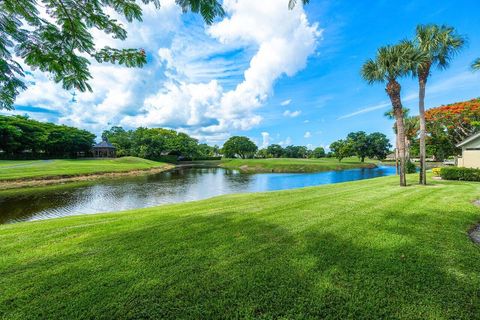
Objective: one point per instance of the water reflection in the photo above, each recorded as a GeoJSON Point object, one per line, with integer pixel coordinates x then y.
{"type": "Point", "coordinates": [179, 185]}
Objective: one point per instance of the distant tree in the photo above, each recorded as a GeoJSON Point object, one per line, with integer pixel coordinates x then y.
{"type": "Point", "coordinates": [242, 147]}
{"type": "Point", "coordinates": [359, 144]}
{"type": "Point", "coordinates": [390, 64]}
{"type": "Point", "coordinates": [379, 145]}
{"type": "Point", "coordinates": [275, 150]}
{"type": "Point", "coordinates": [205, 151]}
{"type": "Point", "coordinates": [341, 149]}
{"type": "Point", "coordinates": [121, 139]}
{"type": "Point", "coordinates": [318, 152]}
{"type": "Point", "coordinates": [21, 137]}
{"type": "Point", "coordinates": [439, 44]}
{"type": "Point", "coordinates": [295, 152]}
{"type": "Point", "coordinates": [263, 153]}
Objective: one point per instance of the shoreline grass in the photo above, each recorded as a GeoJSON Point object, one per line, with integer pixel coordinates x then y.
{"type": "Point", "coordinates": [62, 168]}
{"type": "Point", "coordinates": [364, 249]}
{"type": "Point", "coordinates": [289, 165]}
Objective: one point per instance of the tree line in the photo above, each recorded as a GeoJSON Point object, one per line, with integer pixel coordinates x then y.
{"type": "Point", "coordinates": [375, 145]}
{"type": "Point", "coordinates": [158, 144]}
{"type": "Point", "coordinates": [243, 147]}
{"type": "Point", "coordinates": [24, 138]}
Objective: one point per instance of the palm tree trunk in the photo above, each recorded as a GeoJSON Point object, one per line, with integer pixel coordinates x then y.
{"type": "Point", "coordinates": [422, 81]}
{"type": "Point", "coordinates": [393, 90]}
{"type": "Point", "coordinates": [396, 154]}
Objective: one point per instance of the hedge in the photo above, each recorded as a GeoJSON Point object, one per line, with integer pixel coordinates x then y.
{"type": "Point", "coordinates": [456, 173]}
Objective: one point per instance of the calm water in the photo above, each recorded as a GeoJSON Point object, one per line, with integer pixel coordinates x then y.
{"type": "Point", "coordinates": [178, 185]}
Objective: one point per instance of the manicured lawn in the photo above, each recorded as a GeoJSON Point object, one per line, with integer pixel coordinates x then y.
{"type": "Point", "coordinates": [294, 165]}
{"type": "Point", "coordinates": [362, 250]}
{"type": "Point", "coordinates": [56, 168]}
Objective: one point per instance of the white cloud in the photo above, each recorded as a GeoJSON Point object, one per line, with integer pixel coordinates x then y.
{"type": "Point", "coordinates": [265, 139]}
{"type": "Point", "coordinates": [286, 102]}
{"type": "Point", "coordinates": [286, 142]}
{"type": "Point", "coordinates": [307, 134]}
{"type": "Point", "coordinates": [365, 110]}
{"type": "Point", "coordinates": [292, 114]}
{"type": "Point", "coordinates": [206, 82]}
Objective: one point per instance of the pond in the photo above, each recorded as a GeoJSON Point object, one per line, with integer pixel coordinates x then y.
{"type": "Point", "coordinates": [178, 185]}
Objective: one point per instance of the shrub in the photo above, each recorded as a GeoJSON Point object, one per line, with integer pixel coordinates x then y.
{"type": "Point", "coordinates": [436, 172]}
{"type": "Point", "coordinates": [411, 167]}
{"type": "Point", "coordinates": [456, 173]}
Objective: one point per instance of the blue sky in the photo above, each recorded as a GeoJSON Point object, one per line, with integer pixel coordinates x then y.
{"type": "Point", "coordinates": [273, 75]}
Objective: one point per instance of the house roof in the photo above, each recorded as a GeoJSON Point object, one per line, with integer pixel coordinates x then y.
{"type": "Point", "coordinates": [104, 144]}
{"type": "Point", "coordinates": [469, 139]}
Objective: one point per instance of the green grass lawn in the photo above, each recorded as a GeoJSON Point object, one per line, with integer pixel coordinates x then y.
{"type": "Point", "coordinates": [295, 165]}
{"type": "Point", "coordinates": [11, 170]}
{"type": "Point", "coordinates": [364, 250]}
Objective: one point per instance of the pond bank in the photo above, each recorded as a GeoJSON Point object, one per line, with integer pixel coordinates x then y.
{"type": "Point", "coordinates": [52, 180]}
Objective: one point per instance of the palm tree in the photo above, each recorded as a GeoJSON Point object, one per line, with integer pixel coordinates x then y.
{"type": "Point", "coordinates": [411, 131]}
{"type": "Point", "coordinates": [440, 44]}
{"type": "Point", "coordinates": [390, 64]}
{"type": "Point", "coordinates": [476, 64]}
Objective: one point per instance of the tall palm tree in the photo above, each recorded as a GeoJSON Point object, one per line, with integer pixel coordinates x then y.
{"type": "Point", "coordinates": [476, 64]}
{"type": "Point", "coordinates": [440, 44]}
{"type": "Point", "coordinates": [390, 64]}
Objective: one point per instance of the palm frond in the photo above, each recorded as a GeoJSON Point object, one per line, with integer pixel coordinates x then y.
{"type": "Point", "coordinates": [440, 43]}
{"type": "Point", "coordinates": [293, 3]}
{"type": "Point", "coordinates": [209, 9]}
{"type": "Point", "coordinates": [476, 64]}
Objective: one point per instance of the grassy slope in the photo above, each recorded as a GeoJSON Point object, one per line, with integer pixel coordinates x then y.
{"type": "Point", "coordinates": [53, 168]}
{"type": "Point", "coordinates": [293, 165]}
{"type": "Point", "coordinates": [365, 249]}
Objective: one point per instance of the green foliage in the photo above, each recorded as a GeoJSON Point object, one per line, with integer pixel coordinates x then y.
{"type": "Point", "coordinates": [391, 63]}
{"type": "Point", "coordinates": [374, 145]}
{"type": "Point", "coordinates": [439, 43]}
{"type": "Point", "coordinates": [458, 173]}
{"type": "Point", "coordinates": [318, 152]}
{"type": "Point", "coordinates": [341, 149]}
{"type": "Point", "coordinates": [157, 143]}
{"type": "Point", "coordinates": [21, 137]}
{"type": "Point", "coordinates": [379, 145]}
{"type": "Point", "coordinates": [242, 147]}
{"type": "Point", "coordinates": [410, 167]}
{"type": "Point", "coordinates": [275, 150]}
{"type": "Point", "coordinates": [62, 43]}
{"type": "Point", "coordinates": [295, 152]}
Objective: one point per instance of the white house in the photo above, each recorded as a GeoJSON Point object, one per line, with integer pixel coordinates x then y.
{"type": "Point", "coordinates": [470, 152]}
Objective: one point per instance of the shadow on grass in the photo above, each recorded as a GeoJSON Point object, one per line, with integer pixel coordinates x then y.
{"type": "Point", "coordinates": [226, 266]}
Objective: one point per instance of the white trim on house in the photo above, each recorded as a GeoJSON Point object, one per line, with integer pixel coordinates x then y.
{"type": "Point", "coordinates": [469, 139]}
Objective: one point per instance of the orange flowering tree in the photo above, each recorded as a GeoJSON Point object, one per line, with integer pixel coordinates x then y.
{"type": "Point", "coordinates": [457, 120]}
